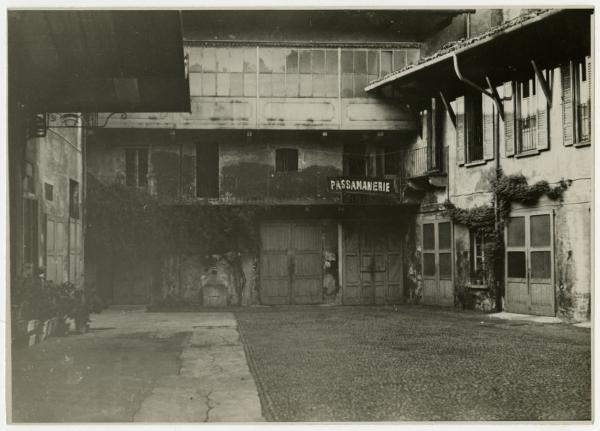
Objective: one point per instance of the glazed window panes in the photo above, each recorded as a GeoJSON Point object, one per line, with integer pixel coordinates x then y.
{"type": "Point", "coordinates": [228, 72]}
{"type": "Point", "coordinates": [541, 264]}
{"type": "Point", "coordinates": [445, 235]}
{"type": "Point", "coordinates": [539, 226]}
{"type": "Point", "coordinates": [516, 232]}
{"type": "Point", "coordinates": [386, 62]}
{"type": "Point", "coordinates": [429, 264]}
{"type": "Point", "coordinates": [515, 264]}
{"type": "Point", "coordinates": [428, 236]}
{"type": "Point", "coordinates": [445, 265]}
{"type": "Point", "coordinates": [298, 73]}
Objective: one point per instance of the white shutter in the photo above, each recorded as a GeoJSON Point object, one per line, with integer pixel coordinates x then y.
{"type": "Point", "coordinates": [542, 122]}
{"type": "Point", "coordinates": [568, 112]}
{"type": "Point", "coordinates": [509, 120]}
{"type": "Point", "coordinates": [488, 114]}
{"type": "Point", "coordinates": [460, 131]}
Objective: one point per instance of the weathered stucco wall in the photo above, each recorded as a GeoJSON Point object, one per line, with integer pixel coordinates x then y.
{"type": "Point", "coordinates": [248, 169]}
{"type": "Point", "coordinates": [57, 161]}
{"type": "Point", "coordinates": [471, 186]}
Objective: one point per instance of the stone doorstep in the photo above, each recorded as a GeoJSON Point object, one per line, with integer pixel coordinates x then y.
{"type": "Point", "coordinates": [524, 317]}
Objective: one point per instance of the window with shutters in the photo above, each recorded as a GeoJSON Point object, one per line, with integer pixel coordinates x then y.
{"type": "Point", "coordinates": [527, 110]}
{"type": "Point", "coordinates": [136, 167]}
{"type": "Point", "coordinates": [473, 127]}
{"type": "Point", "coordinates": [582, 103]}
{"type": "Point", "coordinates": [526, 117]}
{"type": "Point", "coordinates": [476, 123]}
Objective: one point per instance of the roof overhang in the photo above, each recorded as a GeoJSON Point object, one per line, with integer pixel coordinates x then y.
{"type": "Point", "coordinates": [97, 60]}
{"type": "Point", "coordinates": [549, 39]}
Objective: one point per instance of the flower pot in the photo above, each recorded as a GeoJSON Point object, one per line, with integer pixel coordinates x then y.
{"type": "Point", "coordinates": [32, 339]}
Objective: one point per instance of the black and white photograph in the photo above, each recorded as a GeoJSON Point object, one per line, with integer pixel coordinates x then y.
{"type": "Point", "coordinates": [307, 215]}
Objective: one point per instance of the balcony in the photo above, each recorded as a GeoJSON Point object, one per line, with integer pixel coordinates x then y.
{"type": "Point", "coordinates": [424, 168]}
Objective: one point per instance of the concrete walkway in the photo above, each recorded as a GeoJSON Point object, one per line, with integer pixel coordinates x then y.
{"type": "Point", "coordinates": [135, 366]}
{"type": "Point", "coordinates": [214, 383]}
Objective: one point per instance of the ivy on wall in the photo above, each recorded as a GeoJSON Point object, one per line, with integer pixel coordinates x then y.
{"type": "Point", "coordinates": [127, 224]}
{"type": "Point", "coordinates": [483, 219]}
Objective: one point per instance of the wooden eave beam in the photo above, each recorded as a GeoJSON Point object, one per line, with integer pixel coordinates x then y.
{"type": "Point", "coordinates": [449, 109]}
{"type": "Point", "coordinates": [496, 98]}
{"type": "Point", "coordinates": [543, 83]}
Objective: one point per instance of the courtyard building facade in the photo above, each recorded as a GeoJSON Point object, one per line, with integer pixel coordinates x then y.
{"type": "Point", "coordinates": [356, 147]}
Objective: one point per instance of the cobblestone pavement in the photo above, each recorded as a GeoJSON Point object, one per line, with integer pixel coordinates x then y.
{"type": "Point", "coordinates": [414, 363]}
{"type": "Point", "coordinates": [137, 366]}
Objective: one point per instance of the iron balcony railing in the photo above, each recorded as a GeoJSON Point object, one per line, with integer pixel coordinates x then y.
{"type": "Point", "coordinates": [528, 127]}
{"type": "Point", "coordinates": [423, 161]}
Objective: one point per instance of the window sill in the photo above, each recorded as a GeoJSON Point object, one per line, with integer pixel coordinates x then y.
{"type": "Point", "coordinates": [527, 154]}
{"type": "Point", "coordinates": [475, 163]}
{"type": "Point", "coordinates": [585, 143]}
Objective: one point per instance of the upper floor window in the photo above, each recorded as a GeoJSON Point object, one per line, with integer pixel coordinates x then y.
{"type": "Point", "coordinates": [286, 160]}
{"type": "Point", "coordinates": [473, 127]}
{"type": "Point", "coordinates": [583, 84]}
{"type": "Point", "coordinates": [290, 72]}
{"type": "Point", "coordinates": [136, 167]}
{"type": "Point", "coordinates": [476, 121]}
{"type": "Point", "coordinates": [222, 71]}
{"type": "Point", "coordinates": [526, 116]}
{"type": "Point", "coordinates": [298, 72]}
{"type": "Point", "coordinates": [576, 92]}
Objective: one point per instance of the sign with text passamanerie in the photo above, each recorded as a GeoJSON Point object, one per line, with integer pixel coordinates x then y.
{"type": "Point", "coordinates": [360, 185]}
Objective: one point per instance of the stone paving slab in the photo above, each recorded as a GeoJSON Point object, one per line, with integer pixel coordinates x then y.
{"type": "Point", "coordinates": [214, 383]}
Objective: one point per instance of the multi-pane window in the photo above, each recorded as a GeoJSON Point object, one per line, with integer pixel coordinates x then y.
{"type": "Point", "coordinates": [287, 72]}
{"type": "Point", "coordinates": [290, 72]}
{"type": "Point", "coordinates": [526, 115]}
{"type": "Point", "coordinates": [583, 122]}
{"type": "Point", "coordinates": [136, 167]}
{"type": "Point", "coordinates": [286, 160]}
{"type": "Point", "coordinates": [222, 71]}
{"type": "Point", "coordinates": [478, 262]}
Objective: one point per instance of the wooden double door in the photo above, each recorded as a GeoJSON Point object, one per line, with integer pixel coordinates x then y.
{"type": "Point", "coordinates": [529, 264]}
{"type": "Point", "coordinates": [373, 269]}
{"type": "Point", "coordinates": [291, 263]}
{"type": "Point", "coordinates": [437, 263]}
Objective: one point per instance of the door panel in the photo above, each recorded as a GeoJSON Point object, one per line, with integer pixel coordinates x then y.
{"type": "Point", "coordinates": [374, 254]}
{"type": "Point", "coordinates": [291, 264]}
{"type": "Point", "coordinates": [530, 265]}
{"type": "Point", "coordinates": [437, 264]}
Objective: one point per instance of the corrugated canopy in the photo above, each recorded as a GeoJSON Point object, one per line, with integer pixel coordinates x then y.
{"type": "Point", "coordinates": [502, 54]}
{"type": "Point", "coordinates": [97, 60]}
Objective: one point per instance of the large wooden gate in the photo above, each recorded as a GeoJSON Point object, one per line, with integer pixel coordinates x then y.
{"type": "Point", "coordinates": [291, 267]}
{"type": "Point", "coordinates": [437, 263]}
{"type": "Point", "coordinates": [373, 272]}
{"type": "Point", "coordinates": [529, 264]}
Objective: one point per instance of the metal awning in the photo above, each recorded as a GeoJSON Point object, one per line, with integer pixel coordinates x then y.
{"type": "Point", "coordinates": [97, 60]}
{"type": "Point", "coordinates": [502, 54]}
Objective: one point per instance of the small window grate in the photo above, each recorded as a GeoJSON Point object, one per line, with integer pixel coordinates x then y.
{"type": "Point", "coordinates": [286, 160]}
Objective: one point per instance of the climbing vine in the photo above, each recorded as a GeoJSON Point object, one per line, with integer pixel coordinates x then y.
{"type": "Point", "coordinates": [490, 223]}
{"type": "Point", "coordinates": [127, 224]}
